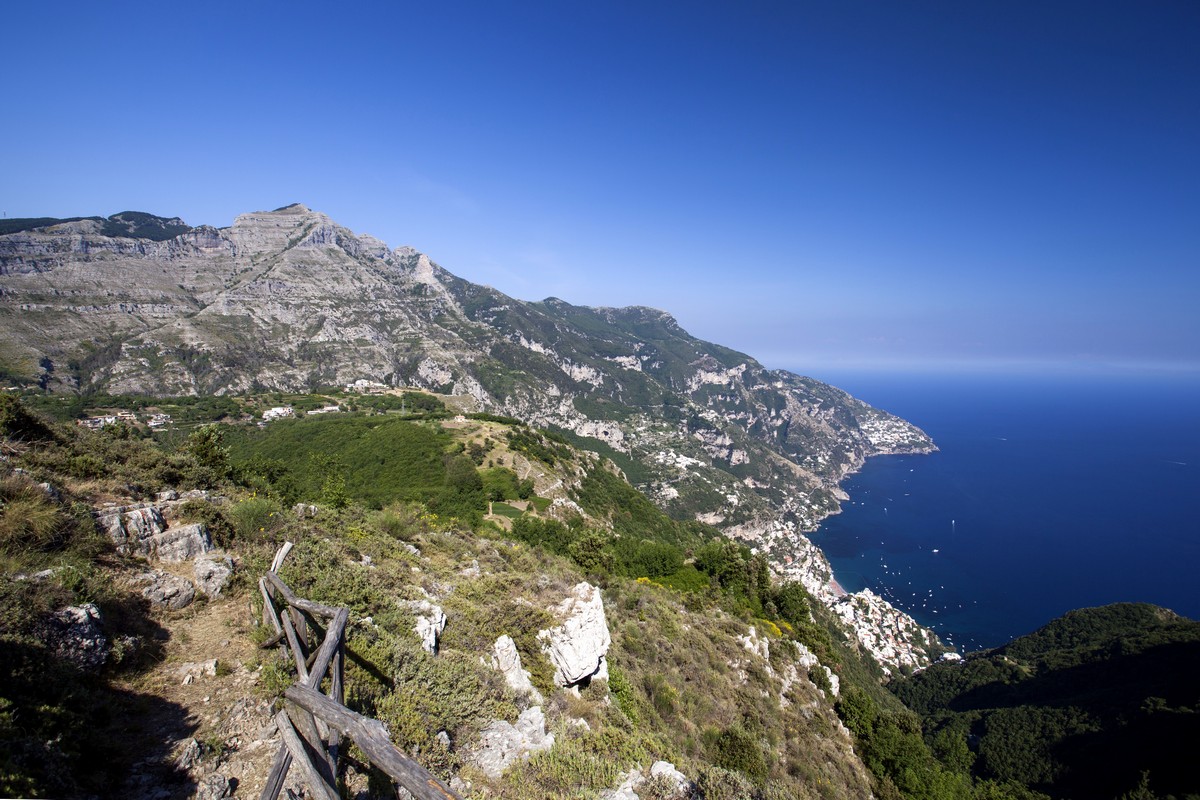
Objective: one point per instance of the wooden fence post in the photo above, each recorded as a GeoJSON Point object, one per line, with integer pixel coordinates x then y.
{"type": "Point", "coordinates": [308, 712]}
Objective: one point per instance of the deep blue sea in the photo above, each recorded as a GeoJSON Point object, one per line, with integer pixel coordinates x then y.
{"type": "Point", "coordinates": [1048, 493]}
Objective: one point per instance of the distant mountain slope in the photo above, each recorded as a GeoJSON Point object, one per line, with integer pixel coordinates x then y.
{"type": "Point", "coordinates": [1080, 708]}
{"type": "Point", "coordinates": [290, 300]}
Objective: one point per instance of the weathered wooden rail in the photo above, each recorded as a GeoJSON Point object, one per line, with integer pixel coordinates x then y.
{"type": "Point", "coordinates": [312, 722]}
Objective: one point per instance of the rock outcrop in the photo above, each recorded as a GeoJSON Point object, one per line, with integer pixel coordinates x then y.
{"type": "Point", "coordinates": [430, 622]}
{"type": "Point", "coordinates": [131, 528]}
{"type": "Point", "coordinates": [579, 644]}
{"type": "Point", "coordinates": [501, 743]}
{"type": "Point", "coordinates": [164, 590]}
{"type": "Point", "coordinates": [507, 661]}
{"type": "Point", "coordinates": [143, 531]}
{"type": "Point", "coordinates": [213, 573]}
{"type": "Point", "coordinates": [181, 543]}
{"type": "Point", "coordinates": [75, 635]}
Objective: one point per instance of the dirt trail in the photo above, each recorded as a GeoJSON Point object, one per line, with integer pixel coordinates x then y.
{"type": "Point", "coordinates": [206, 728]}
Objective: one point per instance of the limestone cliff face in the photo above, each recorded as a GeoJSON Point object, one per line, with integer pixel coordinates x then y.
{"type": "Point", "coordinates": [290, 300]}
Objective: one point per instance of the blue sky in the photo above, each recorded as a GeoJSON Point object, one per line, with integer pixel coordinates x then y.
{"type": "Point", "coordinates": [822, 185]}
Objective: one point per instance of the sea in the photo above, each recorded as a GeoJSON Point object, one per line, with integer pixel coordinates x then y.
{"type": "Point", "coordinates": [1048, 493]}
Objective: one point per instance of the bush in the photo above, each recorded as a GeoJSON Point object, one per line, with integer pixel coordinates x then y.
{"type": "Point", "coordinates": [399, 521]}
{"type": "Point", "coordinates": [256, 519]}
{"type": "Point", "coordinates": [204, 512]}
{"type": "Point", "coordinates": [716, 783]}
{"type": "Point", "coordinates": [453, 692]}
{"type": "Point", "coordinates": [735, 749]}
{"type": "Point", "coordinates": [29, 519]}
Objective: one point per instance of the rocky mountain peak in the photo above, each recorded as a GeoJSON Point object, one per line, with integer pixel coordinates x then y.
{"type": "Point", "coordinates": [288, 300]}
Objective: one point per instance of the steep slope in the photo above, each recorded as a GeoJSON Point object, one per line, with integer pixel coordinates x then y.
{"type": "Point", "coordinates": [290, 300]}
{"type": "Point", "coordinates": [157, 689]}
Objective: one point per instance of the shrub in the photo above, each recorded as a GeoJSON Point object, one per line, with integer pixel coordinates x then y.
{"type": "Point", "coordinates": [716, 783]}
{"type": "Point", "coordinates": [453, 692]}
{"type": "Point", "coordinates": [255, 519]}
{"type": "Point", "coordinates": [211, 517]}
{"type": "Point", "coordinates": [735, 749]}
{"type": "Point", "coordinates": [403, 522]}
{"type": "Point", "coordinates": [29, 519]}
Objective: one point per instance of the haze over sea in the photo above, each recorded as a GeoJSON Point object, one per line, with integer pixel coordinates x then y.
{"type": "Point", "coordinates": [1049, 493]}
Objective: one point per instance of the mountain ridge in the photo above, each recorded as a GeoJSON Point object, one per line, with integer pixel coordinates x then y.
{"type": "Point", "coordinates": [290, 300]}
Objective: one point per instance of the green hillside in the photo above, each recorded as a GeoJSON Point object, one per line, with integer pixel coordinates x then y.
{"type": "Point", "coordinates": [1082, 708]}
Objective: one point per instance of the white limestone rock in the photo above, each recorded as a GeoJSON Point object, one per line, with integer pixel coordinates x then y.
{"type": "Point", "coordinates": [507, 660]}
{"type": "Point", "coordinates": [189, 672]}
{"type": "Point", "coordinates": [501, 743]}
{"type": "Point", "coordinates": [165, 590]}
{"type": "Point", "coordinates": [143, 531]}
{"type": "Point", "coordinates": [213, 573]}
{"type": "Point", "coordinates": [627, 789]}
{"type": "Point", "coordinates": [667, 771]}
{"type": "Point", "coordinates": [131, 528]}
{"type": "Point", "coordinates": [180, 543]}
{"type": "Point", "coordinates": [431, 621]}
{"type": "Point", "coordinates": [579, 645]}
{"type": "Point", "coordinates": [834, 681]}
{"type": "Point", "coordinates": [759, 645]}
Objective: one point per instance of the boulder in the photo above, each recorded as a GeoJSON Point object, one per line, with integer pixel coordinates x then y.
{"type": "Point", "coordinates": [74, 635]}
{"type": "Point", "coordinates": [665, 771]}
{"type": "Point", "coordinates": [501, 743]}
{"type": "Point", "coordinates": [181, 543]}
{"type": "Point", "coordinates": [165, 590]}
{"type": "Point", "coordinates": [578, 646]}
{"type": "Point", "coordinates": [131, 528]}
{"type": "Point", "coordinates": [431, 621]}
{"type": "Point", "coordinates": [142, 531]}
{"type": "Point", "coordinates": [507, 660]}
{"type": "Point", "coordinates": [627, 790]}
{"type": "Point", "coordinates": [213, 573]}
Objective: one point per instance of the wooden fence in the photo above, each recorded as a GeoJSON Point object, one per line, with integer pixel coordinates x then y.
{"type": "Point", "coordinates": [312, 723]}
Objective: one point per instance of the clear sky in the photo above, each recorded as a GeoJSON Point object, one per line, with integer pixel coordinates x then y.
{"type": "Point", "coordinates": [820, 184]}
